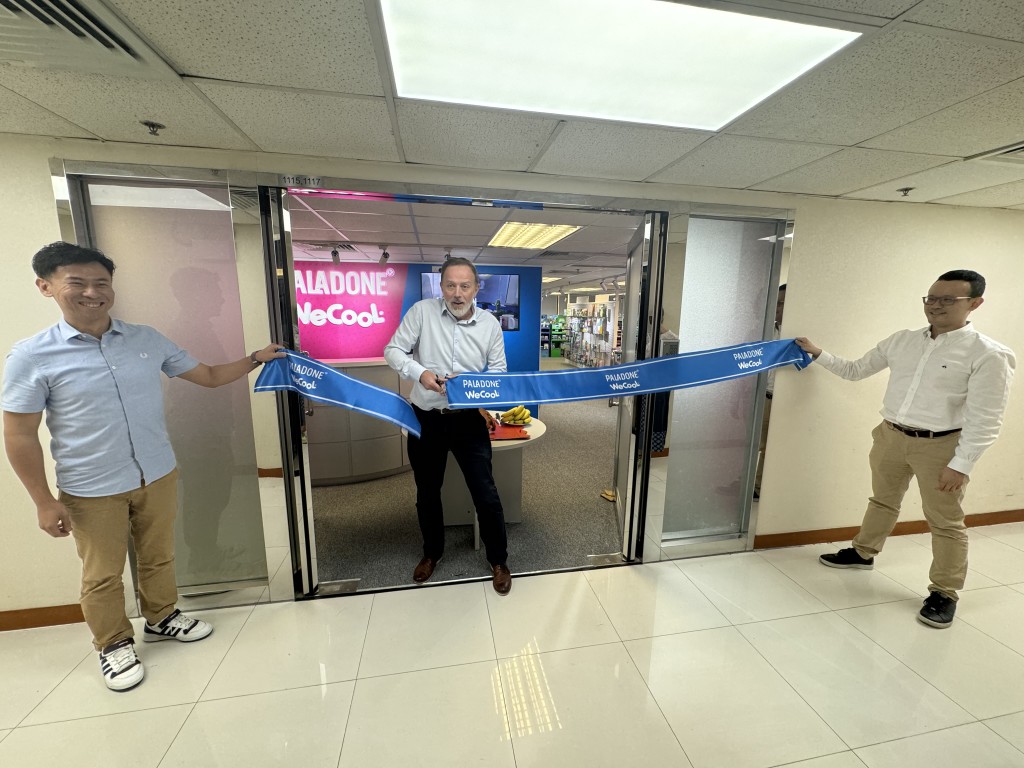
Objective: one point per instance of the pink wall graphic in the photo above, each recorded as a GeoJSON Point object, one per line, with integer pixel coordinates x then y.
{"type": "Point", "coordinates": [348, 311]}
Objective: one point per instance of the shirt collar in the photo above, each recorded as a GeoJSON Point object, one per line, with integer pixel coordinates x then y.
{"type": "Point", "coordinates": [953, 335]}
{"type": "Point", "coordinates": [68, 331]}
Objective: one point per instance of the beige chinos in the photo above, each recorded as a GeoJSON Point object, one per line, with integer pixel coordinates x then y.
{"type": "Point", "coordinates": [101, 526]}
{"type": "Point", "coordinates": [894, 459]}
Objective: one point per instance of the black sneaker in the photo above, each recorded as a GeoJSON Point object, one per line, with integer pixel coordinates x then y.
{"type": "Point", "coordinates": [847, 558]}
{"type": "Point", "coordinates": [937, 611]}
{"type": "Point", "coordinates": [120, 666]}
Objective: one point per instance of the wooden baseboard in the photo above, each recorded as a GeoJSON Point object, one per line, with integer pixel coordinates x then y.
{"type": "Point", "coordinates": [269, 472]}
{"type": "Point", "coordinates": [41, 617]}
{"type": "Point", "coordinates": [72, 614]}
{"type": "Point", "coordinates": [824, 535]}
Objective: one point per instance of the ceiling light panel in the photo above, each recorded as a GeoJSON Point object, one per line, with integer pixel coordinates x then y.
{"type": "Point", "coordinates": [700, 68]}
{"type": "Point", "coordinates": [514, 234]}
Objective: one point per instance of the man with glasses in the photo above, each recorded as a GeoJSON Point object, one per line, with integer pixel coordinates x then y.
{"type": "Point", "coordinates": [943, 406]}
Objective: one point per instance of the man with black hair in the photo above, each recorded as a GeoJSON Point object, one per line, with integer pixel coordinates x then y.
{"type": "Point", "coordinates": [98, 380]}
{"type": "Point", "coordinates": [943, 406]}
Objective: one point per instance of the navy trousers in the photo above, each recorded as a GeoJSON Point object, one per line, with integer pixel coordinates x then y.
{"type": "Point", "coordinates": [464, 433]}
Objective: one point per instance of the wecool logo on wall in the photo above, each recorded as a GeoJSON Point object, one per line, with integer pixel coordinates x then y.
{"type": "Point", "coordinates": [347, 311]}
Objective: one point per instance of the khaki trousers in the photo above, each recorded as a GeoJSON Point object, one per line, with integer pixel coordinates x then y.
{"type": "Point", "coordinates": [895, 458]}
{"type": "Point", "coordinates": [101, 526]}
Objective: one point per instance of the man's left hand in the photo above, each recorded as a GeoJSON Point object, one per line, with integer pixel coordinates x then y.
{"type": "Point", "coordinates": [269, 352]}
{"type": "Point", "coordinates": [951, 481]}
{"type": "Point", "coordinates": [491, 422]}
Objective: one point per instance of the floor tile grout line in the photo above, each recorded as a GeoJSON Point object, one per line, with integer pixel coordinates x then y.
{"type": "Point", "coordinates": [199, 697]}
{"type": "Point", "coordinates": [999, 735]}
{"type": "Point", "coordinates": [903, 663]}
{"type": "Point", "coordinates": [791, 686]}
{"type": "Point", "coordinates": [654, 698]}
{"type": "Point", "coordinates": [54, 688]}
{"type": "Point", "coordinates": [601, 605]}
{"type": "Point", "coordinates": [366, 634]}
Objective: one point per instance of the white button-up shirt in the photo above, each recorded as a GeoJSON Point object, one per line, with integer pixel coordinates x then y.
{"type": "Point", "coordinates": [958, 380]}
{"type": "Point", "coordinates": [431, 339]}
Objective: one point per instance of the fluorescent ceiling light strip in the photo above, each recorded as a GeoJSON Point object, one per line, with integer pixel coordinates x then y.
{"type": "Point", "coordinates": [514, 234]}
{"type": "Point", "coordinates": [699, 68]}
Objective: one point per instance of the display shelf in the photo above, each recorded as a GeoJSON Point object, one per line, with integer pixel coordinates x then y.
{"type": "Point", "coordinates": [593, 333]}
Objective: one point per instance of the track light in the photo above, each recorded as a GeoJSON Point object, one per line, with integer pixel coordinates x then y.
{"type": "Point", "coordinates": [335, 256]}
{"type": "Point", "coordinates": [384, 255]}
{"type": "Point", "coordinates": [447, 253]}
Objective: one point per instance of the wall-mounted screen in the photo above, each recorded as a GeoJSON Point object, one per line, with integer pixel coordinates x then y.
{"type": "Point", "coordinates": [499, 295]}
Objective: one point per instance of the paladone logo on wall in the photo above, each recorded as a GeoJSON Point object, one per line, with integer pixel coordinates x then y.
{"type": "Point", "coordinates": [347, 311]}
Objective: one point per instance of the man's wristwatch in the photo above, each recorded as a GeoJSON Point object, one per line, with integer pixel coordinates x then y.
{"type": "Point", "coordinates": [253, 359]}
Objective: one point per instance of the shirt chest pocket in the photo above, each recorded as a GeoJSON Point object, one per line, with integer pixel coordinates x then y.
{"type": "Point", "coordinates": [952, 376]}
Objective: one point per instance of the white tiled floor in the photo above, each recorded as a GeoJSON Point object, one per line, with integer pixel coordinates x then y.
{"type": "Point", "coordinates": [734, 661]}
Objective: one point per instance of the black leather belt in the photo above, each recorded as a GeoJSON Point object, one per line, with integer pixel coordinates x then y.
{"type": "Point", "coordinates": [921, 432]}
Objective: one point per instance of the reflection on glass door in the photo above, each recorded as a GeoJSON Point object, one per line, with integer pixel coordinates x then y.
{"type": "Point", "coordinates": [177, 271]}
{"type": "Point", "coordinates": [729, 267]}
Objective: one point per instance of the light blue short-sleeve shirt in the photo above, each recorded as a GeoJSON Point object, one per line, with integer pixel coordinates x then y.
{"type": "Point", "coordinates": [103, 400]}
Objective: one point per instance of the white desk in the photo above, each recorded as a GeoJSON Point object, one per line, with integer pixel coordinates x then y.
{"type": "Point", "coordinates": [507, 463]}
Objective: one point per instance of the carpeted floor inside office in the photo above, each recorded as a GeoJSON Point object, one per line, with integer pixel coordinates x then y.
{"type": "Point", "coordinates": [368, 530]}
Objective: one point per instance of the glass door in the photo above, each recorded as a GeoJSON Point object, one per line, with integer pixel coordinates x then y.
{"type": "Point", "coordinates": [727, 296]}
{"type": "Point", "coordinates": [178, 270]}
{"type": "Point", "coordinates": [645, 263]}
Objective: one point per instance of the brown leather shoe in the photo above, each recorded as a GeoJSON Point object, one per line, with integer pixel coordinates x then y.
{"type": "Point", "coordinates": [424, 569]}
{"type": "Point", "coordinates": [502, 579]}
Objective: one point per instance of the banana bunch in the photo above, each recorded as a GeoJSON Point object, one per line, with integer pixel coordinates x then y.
{"type": "Point", "coordinates": [517, 415]}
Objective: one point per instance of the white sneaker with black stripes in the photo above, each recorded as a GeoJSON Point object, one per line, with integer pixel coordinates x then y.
{"type": "Point", "coordinates": [178, 627]}
{"type": "Point", "coordinates": [120, 666]}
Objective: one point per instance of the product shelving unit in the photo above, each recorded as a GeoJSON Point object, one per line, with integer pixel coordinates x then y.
{"type": "Point", "coordinates": [594, 334]}
{"type": "Point", "coordinates": [552, 335]}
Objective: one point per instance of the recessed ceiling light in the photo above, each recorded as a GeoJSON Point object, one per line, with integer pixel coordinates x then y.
{"type": "Point", "coordinates": [700, 68]}
{"type": "Point", "coordinates": [550, 279]}
{"type": "Point", "coordinates": [514, 234]}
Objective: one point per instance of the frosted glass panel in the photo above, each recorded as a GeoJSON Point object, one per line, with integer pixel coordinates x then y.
{"type": "Point", "coordinates": [176, 271]}
{"type": "Point", "coordinates": [724, 295]}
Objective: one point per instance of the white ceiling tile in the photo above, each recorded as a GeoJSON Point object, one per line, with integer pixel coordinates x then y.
{"type": "Point", "coordinates": [945, 181]}
{"type": "Point", "coordinates": [994, 18]}
{"type": "Point", "coordinates": [452, 240]}
{"type": "Point", "coordinates": [111, 107]}
{"type": "Point", "coordinates": [19, 115]}
{"type": "Point", "coordinates": [317, 44]}
{"type": "Point", "coordinates": [608, 151]}
{"type": "Point", "coordinates": [999, 196]}
{"type": "Point", "coordinates": [470, 138]}
{"type": "Point", "coordinates": [436, 225]}
{"type": "Point", "coordinates": [986, 122]}
{"type": "Point", "coordinates": [436, 210]}
{"type": "Point", "coordinates": [881, 84]}
{"type": "Point", "coordinates": [368, 222]}
{"type": "Point", "coordinates": [294, 122]}
{"type": "Point", "coordinates": [888, 9]}
{"type": "Point", "coordinates": [849, 170]}
{"type": "Point", "coordinates": [740, 161]}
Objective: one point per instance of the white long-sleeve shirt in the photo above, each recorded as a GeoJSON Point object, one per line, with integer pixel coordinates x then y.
{"type": "Point", "coordinates": [429, 338]}
{"type": "Point", "coordinates": [958, 380]}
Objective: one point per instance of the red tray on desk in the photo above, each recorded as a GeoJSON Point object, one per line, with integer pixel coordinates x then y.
{"type": "Point", "coordinates": [506, 432]}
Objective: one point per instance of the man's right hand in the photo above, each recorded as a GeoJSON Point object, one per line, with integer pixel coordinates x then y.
{"type": "Point", "coordinates": [54, 518]}
{"type": "Point", "coordinates": [431, 381]}
{"type": "Point", "coordinates": [807, 346]}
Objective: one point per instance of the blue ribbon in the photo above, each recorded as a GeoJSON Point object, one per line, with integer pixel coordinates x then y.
{"type": "Point", "coordinates": [312, 379]}
{"type": "Point", "coordinates": [690, 369]}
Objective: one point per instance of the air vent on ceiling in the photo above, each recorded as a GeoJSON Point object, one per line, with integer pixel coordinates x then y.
{"type": "Point", "coordinates": [78, 35]}
{"type": "Point", "coordinates": [242, 199]}
{"type": "Point", "coordinates": [1013, 153]}
{"type": "Point", "coordinates": [327, 246]}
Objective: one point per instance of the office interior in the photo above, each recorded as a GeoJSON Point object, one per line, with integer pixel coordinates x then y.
{"type": "Point", "coordinates": [909, 172]}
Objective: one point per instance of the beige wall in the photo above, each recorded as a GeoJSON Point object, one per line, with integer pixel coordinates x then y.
{"type": "Point", "coordinates": [855, 274]}
{"type": "Point", "coordinates": [884, 254]}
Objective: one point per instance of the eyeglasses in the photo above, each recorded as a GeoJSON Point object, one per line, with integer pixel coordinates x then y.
{"type": "Point", "coordinates": [943, 301]}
